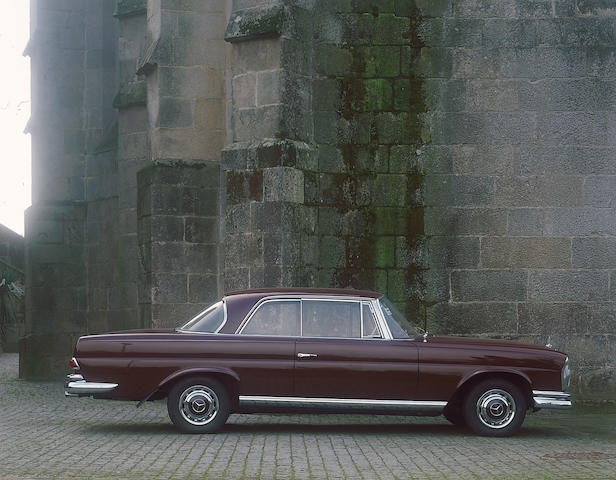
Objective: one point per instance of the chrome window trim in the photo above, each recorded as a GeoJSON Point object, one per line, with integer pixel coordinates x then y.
{"type": "Point", "coordinates": [262, 302]}
{"type": "Point", "coordinates": [376, 320]}
{"type": "Point", "coordinates": [336, 298]}
{"type": "Point", "coordinates": [203, 312]}
{"type": "Point", "coordinates": [224, 321]}
{"type": "Point", "coordinates": [381, 317]}
{"type": "Point", "coordinates": [320, 299]}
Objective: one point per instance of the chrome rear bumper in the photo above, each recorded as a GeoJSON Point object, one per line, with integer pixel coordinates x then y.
{"type": "Point", "coordinates": [76, 386]}
{"type": "Point", "coordinates": [547, 399]}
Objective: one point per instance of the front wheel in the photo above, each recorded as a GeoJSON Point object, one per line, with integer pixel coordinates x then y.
{"type": "Point", "coordinates": [198, 405]}
{"type": "Point", "coordinates": [494, 408]}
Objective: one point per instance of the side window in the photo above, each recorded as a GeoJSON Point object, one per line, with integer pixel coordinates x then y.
{"type": "Point", "coordinates": [370, 328]}
{"type": "Point", "coordinates": [321, 318]}
{"type": "Point", "coordinates": [275, 318]}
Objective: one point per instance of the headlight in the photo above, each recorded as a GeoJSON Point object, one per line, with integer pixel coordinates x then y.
{"type": "Point", "coordinates": [565, 375]}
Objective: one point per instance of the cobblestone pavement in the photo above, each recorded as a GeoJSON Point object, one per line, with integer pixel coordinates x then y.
{"type": "Point", "coordinates": [44, 435]}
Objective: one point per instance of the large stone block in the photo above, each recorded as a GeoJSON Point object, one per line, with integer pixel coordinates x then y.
{"type": "Point", "coordinates": [560, 159]}
{"type": "Point", "coordinates": [568, 285]}
{"type": "Point", "coordinates": [442, 190]}
{"type": "Point", "coordinates": [525, 222]}
{"type": "Point", "coordinates": [332, 251]}
{"type": "Point", "coordinates": [506, 252]}
{"type": "Point", "coordinates": [600, 191]}
{"type": "Point", "coordinates": [597, 7]}
{"type": "Point", "coordinates": [244, 186]}
{"type": "Point", "coordinates": [490, 319]}
{"type": "Point", "coordinates": [544, 62]}
{"type": "Point", "coordinates": [486, 127]}
{"type": "Point", "coordinates": [201, 230]}
{"type": "Point", "coordinates": [485, 9]}
{"type": "Point", "coordinates": [427, 8]}
{"type": "Point", "coordinates": [580, 221]}
{"type": "Point", "coordinates": [488, 285]}
{"type": "Point", "coordinates": [552, 319]}
{"type": "Point", "coordinates": [184, 258]}
{"type": "Point", "coordinates": [597, 253]}
{"type": "Point", "coordinates": [506, 33]}
{"type": "Point", "coordinates": [243, 250]}
{"type": "Point", "coordinates": [171, 315]}
{"type": "Point", "coordinates": [453, 252]}
{"type": "Point", "coordinates": [573, 128]}
{"type": "Point", "coordinates": [202, 288]}
{"type": "Point", "coordinates": [390, 190]}
{"type": "Point", "coordinates": [283, 184]}
{"type": "Point", "coordinates": [169, 288]}
{"type": "Point", "coordinates": [483, 159]}
{"type": "Point", "coordinates": [554, 191]}
{"type": "Point", "coordinates": [465, 221]}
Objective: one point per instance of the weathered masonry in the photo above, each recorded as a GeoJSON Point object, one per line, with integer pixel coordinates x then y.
{"type": "Point", "coordinates": [459, 156]}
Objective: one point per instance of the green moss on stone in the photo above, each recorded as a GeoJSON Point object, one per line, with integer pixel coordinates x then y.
{"type": "Point", "coordinates": [377, 94]}
{"type": "Point", "coordinates": [385, 252]}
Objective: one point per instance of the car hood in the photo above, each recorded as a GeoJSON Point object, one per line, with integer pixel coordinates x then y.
{"type": "Point", "coordinates": [484, 342]}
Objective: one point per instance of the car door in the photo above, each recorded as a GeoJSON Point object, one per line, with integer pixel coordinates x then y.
{"type": "Point", "coordinates": [344, 353]}
{"type": "Point", "coordinates": [265, 348]}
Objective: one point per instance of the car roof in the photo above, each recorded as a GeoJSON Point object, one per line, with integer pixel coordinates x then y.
{"type": "Point", "coordinates": [266, 292]}
{"type": "Point", "coordinates": [241, 302]}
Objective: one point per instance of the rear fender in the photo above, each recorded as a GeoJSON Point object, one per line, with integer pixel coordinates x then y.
{"type": "Point", "coordinates": [189, 372]}
{"type": "Point", "coordinates": [198, 371]}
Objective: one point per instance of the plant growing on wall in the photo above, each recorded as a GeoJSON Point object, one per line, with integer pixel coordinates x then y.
{"type": "Point", "coordinates": [11, 293]}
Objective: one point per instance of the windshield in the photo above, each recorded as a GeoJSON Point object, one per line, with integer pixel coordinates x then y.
{"type": "Point", "coordinates": [208, 321]}
{"type": "Point", "coordinates": [399, 326]}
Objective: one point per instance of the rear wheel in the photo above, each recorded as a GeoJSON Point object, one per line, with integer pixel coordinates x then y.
{"type": "Point", "coordinates": [494, 408]}
{"type": "Point", "coordinates": [198, 405]}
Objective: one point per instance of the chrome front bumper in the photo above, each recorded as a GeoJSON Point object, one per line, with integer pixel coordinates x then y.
{"type": "Point", "coordinates": [547, 399]}
{"type": "Point", "coordinates": [76, 386]}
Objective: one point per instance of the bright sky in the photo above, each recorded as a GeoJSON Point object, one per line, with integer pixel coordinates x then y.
{"type": "Point", "coordinates": [14, 114]}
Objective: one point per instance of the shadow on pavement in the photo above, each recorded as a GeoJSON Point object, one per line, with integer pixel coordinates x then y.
{"type": "Point", "coordinates": [344, 429]}
{"type": "Point", "coordinates": [265, 428]}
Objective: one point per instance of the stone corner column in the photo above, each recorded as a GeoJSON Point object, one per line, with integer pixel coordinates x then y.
{"type": "Point", "coordinates": [177, 216]}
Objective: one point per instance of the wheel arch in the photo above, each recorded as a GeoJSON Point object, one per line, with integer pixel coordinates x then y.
{"type": "Point", "coordinates": [467, 383]}
{"type": "Point", "coordinates": [229, 379]}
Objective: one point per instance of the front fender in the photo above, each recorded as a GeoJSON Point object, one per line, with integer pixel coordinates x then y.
{"type": "Point", "coordinates": [492, 371]}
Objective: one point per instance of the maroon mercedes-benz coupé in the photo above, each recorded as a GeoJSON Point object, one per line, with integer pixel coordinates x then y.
{"type": "Point", "coordinates": [343, 351]}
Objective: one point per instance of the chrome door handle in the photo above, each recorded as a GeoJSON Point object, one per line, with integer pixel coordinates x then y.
{"type": "Point", "coordinates": [306, 355]}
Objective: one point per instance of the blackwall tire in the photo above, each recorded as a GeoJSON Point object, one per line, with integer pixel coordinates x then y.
{"type": "Point", "coordinates": [495, 408]}
{"type": "Point", "coordinates": [198, 405]}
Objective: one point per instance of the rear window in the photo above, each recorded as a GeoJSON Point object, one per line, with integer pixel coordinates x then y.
{"type": "Point", "coordinates": [208, 321]}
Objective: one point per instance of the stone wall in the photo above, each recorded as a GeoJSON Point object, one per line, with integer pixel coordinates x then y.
{"type": "Point", "coordinates": [455, 155]}
{"type": "Point", "coordinates": [518, 189]}
{"type": "Point", "coordinates": [367, 127]}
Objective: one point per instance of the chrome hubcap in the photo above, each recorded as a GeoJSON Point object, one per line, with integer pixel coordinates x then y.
{"type": "Point", "coordinates": [496, 408]}
{"type": "Point", "coordinates": [198, 405]}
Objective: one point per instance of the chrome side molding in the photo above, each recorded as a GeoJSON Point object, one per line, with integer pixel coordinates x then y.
{"type": "Point", "coordinates": [550, 399]}
{"type": "Point", "coordinates": [340, 404]}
